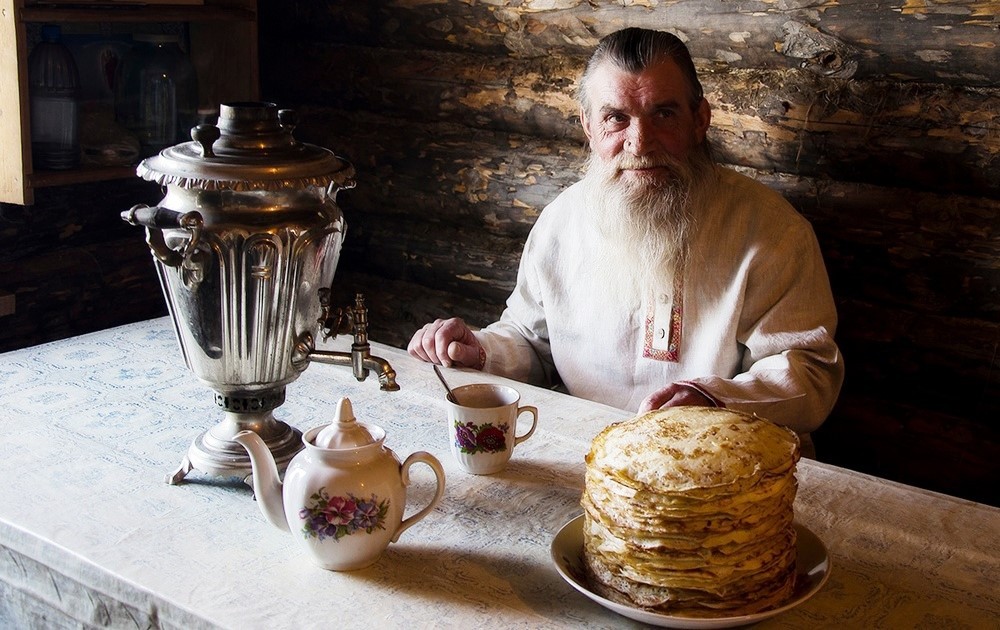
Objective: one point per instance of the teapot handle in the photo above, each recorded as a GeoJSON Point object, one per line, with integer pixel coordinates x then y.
{"type": "Point", "coordinates": [435, 465]}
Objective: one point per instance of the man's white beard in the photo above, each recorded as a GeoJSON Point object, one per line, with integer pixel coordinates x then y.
{"type": "Point", "coordinates": [644, 224]}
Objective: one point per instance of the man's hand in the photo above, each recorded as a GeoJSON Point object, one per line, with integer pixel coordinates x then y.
{"type": "Point", "coordinates": [447, 342]}
{"type": "Point", "coordinates": [675, 395]}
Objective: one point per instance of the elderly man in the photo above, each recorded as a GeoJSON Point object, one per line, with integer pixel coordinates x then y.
{"type": "Point", "coordinates": [661, 279]}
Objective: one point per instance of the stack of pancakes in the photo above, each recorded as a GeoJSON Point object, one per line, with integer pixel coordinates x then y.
{"type": "Point", "coordinates": [688, 512]}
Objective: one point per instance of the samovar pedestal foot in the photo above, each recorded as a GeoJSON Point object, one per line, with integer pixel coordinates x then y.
{"type": "Point", "coordinates": [178, 475]}
{"type": "Point", "coordinates": [215, 453]}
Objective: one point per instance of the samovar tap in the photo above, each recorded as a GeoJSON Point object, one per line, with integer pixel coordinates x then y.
{"type": "Point", "coordinates": [360, 358]}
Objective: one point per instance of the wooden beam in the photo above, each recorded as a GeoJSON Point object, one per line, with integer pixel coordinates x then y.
{"type": "Point", "coordinates": [950, 42]}
{"type": "Point", "coordinates": [926, 136]}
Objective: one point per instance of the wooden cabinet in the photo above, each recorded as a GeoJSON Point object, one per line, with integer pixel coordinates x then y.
{"type": "Point", "coordinates": [222, 36]}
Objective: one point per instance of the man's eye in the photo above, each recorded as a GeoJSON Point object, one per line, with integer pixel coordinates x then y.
{"type": "Point", "coordinates": [616, 119]}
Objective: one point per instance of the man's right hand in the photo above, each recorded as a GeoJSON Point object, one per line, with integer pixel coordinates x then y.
{"type": "Point", "coordinates": [447, 342]}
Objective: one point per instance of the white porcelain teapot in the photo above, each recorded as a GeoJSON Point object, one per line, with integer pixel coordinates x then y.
{"type": "Point", "coordinates": [344, 495]}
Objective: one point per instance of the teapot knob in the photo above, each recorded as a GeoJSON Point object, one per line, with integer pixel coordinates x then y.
{"type": "Point", "coordinates": [345, 431]}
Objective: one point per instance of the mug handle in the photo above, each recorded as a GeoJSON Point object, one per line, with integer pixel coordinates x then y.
{"type": "Point", "coordinates": [425, 458]}
{"type": "Point", "coordinates": [534, 422]}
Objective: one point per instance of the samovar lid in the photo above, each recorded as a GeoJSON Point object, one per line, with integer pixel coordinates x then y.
{"type": "Point", "coordinates": [251, 148]}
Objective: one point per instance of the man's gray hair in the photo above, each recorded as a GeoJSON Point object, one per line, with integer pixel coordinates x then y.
{"type": "Point", "coordinates": [633, 50]}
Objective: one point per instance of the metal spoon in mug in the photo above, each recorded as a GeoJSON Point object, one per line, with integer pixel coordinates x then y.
{"type": "Point", "coordinates": [451, 394]}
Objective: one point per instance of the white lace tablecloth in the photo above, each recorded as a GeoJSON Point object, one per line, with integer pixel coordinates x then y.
{"type": "Point", "coordinates": [92, 534]}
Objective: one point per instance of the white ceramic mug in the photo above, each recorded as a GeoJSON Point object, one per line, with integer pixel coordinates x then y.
{"type": "Point", "coordinates": [482, 426]}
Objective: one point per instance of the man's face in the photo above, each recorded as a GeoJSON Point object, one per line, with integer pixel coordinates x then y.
{"type": "Point", "coordinates": [635, 120]}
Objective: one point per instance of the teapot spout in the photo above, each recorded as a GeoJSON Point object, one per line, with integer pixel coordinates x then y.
{"type": "Point", "coordinates": [266, 484]}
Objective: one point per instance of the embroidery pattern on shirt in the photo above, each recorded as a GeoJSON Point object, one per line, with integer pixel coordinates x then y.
{"type": "Point", "coordinates": [672, 329]}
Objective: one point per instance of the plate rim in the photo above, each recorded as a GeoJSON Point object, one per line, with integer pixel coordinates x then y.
{"type": "Point", "coordinates": [822, 563]}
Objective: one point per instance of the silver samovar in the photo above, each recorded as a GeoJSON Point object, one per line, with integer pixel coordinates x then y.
{"type": "Point", "coordinates": [246, 242]}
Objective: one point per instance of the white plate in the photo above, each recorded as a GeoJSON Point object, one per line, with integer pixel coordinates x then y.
{"type": "Point", "coordinates": [812, 569]}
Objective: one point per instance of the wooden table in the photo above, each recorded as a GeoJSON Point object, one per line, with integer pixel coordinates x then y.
{"type": "Point", "coordinates": [91, 533]}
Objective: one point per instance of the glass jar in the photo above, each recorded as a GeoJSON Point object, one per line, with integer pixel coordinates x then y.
{"type": "Point", "coordinates": [54, 103]}
{"type": "Point", "coordinates": [156, 93]}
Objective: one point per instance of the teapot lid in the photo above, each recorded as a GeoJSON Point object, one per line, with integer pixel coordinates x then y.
{"type": "Point", "coordinates": [251, 148]}
{"type": "Point", "coordinates": [346, 432]}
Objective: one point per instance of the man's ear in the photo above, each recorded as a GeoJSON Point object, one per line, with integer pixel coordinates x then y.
{"type": "Point", "coordinates": [702, 119]}
{"type": "Point", "coordinates": [585, 122]}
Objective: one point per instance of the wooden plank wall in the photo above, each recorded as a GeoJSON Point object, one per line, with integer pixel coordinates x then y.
{"type": "Point", "coordinates": [73, 266]}
{"type": "Point", "coordinates": [879, 121]}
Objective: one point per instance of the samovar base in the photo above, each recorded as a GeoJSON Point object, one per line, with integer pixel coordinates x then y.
{"type": "Point", "coordinates": [215, 453]}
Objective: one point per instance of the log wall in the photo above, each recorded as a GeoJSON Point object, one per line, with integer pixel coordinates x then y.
{"type": "Point", "coordinates": [877, 120]}
{"type": "Point", "coordinates": [73, 266]}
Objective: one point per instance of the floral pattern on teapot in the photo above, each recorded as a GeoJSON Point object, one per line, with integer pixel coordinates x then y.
{"type": "Point", "coordinates": [339, 516]}
{"type": "Point", "coordinates": [483, 438]}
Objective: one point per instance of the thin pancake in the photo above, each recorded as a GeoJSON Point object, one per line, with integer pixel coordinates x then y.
{"type": "Point", "coordinates": [689, 511]}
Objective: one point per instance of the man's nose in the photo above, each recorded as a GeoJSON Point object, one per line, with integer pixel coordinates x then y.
{"type": "Point", "coordinates": [638, 139]}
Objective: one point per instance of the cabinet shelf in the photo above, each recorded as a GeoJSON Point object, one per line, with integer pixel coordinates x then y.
{"type": "Point", "coordinates": [82, 175]}
{"type": "Point", "coordinates": [223, 48]}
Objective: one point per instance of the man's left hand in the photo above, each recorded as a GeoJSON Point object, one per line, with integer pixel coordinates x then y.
{"type": "Point", "coordinates": [675, 395]}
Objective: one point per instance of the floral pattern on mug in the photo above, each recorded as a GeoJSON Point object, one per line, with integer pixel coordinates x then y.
{"type": "Point", "coordinates": [336, 517]}
{"type": "Point", "coordinates": [483, 438]}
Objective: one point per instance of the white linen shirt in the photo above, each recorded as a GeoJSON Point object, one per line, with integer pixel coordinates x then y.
{"type": "Point", "coordinates": [752, 325]}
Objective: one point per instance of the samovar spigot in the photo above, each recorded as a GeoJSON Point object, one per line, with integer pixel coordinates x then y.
{"type": "Point", "coordinates": [360, 358]}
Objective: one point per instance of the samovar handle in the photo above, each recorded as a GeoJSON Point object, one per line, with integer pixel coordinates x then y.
{"type": "Point", "coordinates": [156, 219]}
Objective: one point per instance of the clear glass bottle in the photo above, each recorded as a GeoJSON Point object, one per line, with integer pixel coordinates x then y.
{"type": "Point", "coordinates": [156, 93]}
{"type": "Point", "coordinates": [54, 97]}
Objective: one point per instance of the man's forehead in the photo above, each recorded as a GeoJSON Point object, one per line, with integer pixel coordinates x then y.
{"type": "Point", "coordinates": [611, 86]}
